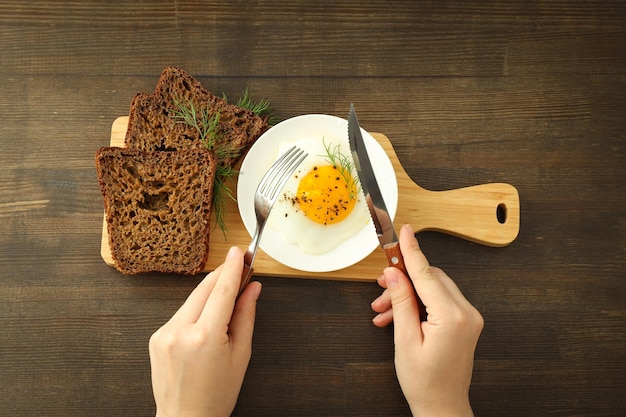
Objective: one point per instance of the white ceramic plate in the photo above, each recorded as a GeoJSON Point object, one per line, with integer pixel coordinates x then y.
{"type": "Point", "coordinates": [263, 154]}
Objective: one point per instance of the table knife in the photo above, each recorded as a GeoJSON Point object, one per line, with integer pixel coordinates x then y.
{"type": "Point", "coordinates": [375, 202]}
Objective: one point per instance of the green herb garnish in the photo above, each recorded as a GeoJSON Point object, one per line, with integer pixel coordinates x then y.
{"type": "Point", "coordinates": [207, 126]}
{"type": "Point", "coordinates": [335, 157]}
{"type": "Point", "coordinates": [261, 108]}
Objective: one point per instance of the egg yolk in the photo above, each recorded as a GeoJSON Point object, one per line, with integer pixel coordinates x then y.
{"type": "Point", "coordinates": [324, 196]}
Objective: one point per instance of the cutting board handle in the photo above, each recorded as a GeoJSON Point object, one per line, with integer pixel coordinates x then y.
{"type": "Point", "coordinates": [488, 214]}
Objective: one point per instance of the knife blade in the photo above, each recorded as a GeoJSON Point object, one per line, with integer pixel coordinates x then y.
{"type": "Point", "coordinates": [375, 202]}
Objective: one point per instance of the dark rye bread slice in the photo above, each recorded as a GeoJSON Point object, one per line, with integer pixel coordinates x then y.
{"type": "Point", "coordinates": [152, 125]}
{"type": "Point", "coordinates": [157, 207]}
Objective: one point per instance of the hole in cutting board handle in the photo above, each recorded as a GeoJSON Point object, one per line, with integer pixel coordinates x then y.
{"type": "Point", "coordinates": [501, 213]}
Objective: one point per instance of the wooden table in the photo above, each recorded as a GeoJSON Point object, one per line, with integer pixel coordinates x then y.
{"type": "Point", "coordinates": [530, 94]}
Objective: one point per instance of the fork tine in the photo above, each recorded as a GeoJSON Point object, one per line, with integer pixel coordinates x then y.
{"type": "Point", "coordinates": [270, 174]}
{"type": "Point", "coordinates": [280, 178]}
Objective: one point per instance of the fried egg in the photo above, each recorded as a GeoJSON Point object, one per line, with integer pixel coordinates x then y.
{"type": "Point", "coordinates": [322, 204]}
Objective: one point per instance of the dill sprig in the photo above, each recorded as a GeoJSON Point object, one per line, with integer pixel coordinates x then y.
{"type": "Point", "coordinates": [335, 157]}
{"type": "Point", "coordinates": [207, 126]}
{"type": "Point", "coordinates": [261, 108]}
{"type": "Point", "coordinates": [222, 193]}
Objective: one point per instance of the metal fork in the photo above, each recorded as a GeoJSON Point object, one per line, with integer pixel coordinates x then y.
{"type": "Point", "coordinates": [265, 196]}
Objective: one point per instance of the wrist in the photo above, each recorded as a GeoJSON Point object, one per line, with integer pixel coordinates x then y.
{"type": "Point", "coordinates": [443, 409]}
{"type": "Point", "coordinates": [194, 413]}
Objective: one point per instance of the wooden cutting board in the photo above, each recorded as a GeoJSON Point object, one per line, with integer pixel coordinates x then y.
{"type": "Point", "coordinates": [487, 214]}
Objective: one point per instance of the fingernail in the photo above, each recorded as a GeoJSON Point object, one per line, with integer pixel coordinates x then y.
{"type": "Point", "coordinates": [409, 229]}
{"type": "Point", "coordinates": [374, 302]}
{"type": "Point", "coordinates": [392, 279]}
{"type": "Point", "coordinates": [232, 252]}
{"type": "Point", "coordinates": [257, 290]}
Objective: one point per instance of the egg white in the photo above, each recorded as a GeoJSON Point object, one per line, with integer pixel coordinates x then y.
{"type": "Point", "coordinates": [293, 225]}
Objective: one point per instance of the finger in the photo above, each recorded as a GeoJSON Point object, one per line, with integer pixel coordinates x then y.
{"type": "Point", "coordinates": [426, 279]}
{"type": "Point", "coordinates": [191, 309]}
{"type": "Point", "coordinates": [383, 302]}
{"type": "Point", "coordinates": [241, 325]}
{"type": "Point", "coordinates": [406, 319]}
{"type": "Point", "coordinates": [383, 319]}
{"type": "Point", "coordinates": [381, 281]}
{"type": "Point", "coordinates": [218, 309]}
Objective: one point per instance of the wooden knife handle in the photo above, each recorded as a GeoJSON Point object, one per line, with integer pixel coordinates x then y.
{"type": "Point", "coordinates": [396, 260]}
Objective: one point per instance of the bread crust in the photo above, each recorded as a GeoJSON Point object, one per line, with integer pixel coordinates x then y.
{"type": "Point", "coordinates": [158, 207]}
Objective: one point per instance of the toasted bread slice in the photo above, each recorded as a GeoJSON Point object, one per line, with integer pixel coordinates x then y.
{"type": "Point", "coordinates": [157, 207]}
{"type": "Point", "coordinates": [152, 125]}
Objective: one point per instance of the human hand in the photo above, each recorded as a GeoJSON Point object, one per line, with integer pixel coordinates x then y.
{"type": "Point", "coordinates": [200, 356]}
{"type": "Point", "coordinates": [434, 359]}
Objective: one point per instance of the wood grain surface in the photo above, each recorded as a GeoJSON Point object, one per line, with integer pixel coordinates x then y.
{"type": "Point", "coordinates": [528, 93]}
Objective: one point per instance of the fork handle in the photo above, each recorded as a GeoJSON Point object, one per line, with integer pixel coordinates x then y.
{"type": "Point", "coordinates": [248, 260]}
{"type": "Point", "coordinates": [245, 276]}
{"type": "Point", "coordinates": [248, 257]}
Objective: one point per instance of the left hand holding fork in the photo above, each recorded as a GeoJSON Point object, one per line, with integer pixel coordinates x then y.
{"type": "Point", "coordinates": [200, 356]}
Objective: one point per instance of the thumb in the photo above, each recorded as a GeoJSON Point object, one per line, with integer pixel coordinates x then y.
{"type": "Point", "coordinates": [241, 326]}
{"type": "Point", "coordinates": [406, 319]}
